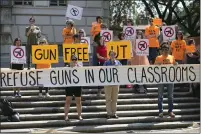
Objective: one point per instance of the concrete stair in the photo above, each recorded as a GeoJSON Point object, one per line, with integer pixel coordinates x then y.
{"type": "Point", "coordinates": [136, 111]}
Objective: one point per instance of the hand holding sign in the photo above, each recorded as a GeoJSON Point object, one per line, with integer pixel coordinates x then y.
{"type": "Point", "coordinates": [74, 12]}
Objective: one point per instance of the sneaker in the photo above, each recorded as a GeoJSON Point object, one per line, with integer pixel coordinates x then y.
{"type": "Point", "coordinates": [160, 115]}
{"type": "Point", "coordinates": [66, 118]}
{"type": "Point", "coordinates": [108, 116]}
{"type": "Point", "coordinates": [80, 118]}
{"type": "Point", "coordinates": [19, 95]}
{"type": "Point", "coordinates": [115, 116]}
{"type": "Point", "coordinates": [171, 114]}
{"type": "Point", "coordinates": [40, 95]}
{"type": "Point", "coordinates": [47, 95]}
{"type": "Point", "coordinates": [15, 94]}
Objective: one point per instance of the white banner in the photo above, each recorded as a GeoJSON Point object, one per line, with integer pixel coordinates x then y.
{"type": "Point", "coordinates": [87, 41]}
{"type": "Point", "coordinates": [74, 12]}
{"type": "Point", "coordinates": [94, 76]}
{"type": "Point", "coordinates": [169, 33]}
{"type": "Point", "coordinates": [18, 55]}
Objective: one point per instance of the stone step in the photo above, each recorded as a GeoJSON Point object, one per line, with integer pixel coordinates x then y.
{"type": "Point", "coordinates": [27, 98]}
{"type": "Point", "coordinates": [99, 102]}
{"type": "Point", "coordinates": [116, 128]}
{"type": "Point", "coordinates": [99, 108]}
{"type": "Point", "coordinates": [131, 126]}
{"type": "Point", "coordinates": [88, 115]}
{"type": "Point", "coordinates": [35, 91]}
{"type": "Point", "coordinates": [97, 121]}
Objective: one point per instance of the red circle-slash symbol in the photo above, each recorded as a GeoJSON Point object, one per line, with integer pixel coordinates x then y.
{"type": "Point", "coordinates": [84, 41]}
{"type": "Point", "coordinates": [129, 31]}
{"type": "Point", "coordinates": [169, 32]}
{"type": "Point", "coordinates": [18, 53]}
{"type": "Point", "coordinates": [107, 36]}
{"type": "Point", "coordinates": [142, 45]}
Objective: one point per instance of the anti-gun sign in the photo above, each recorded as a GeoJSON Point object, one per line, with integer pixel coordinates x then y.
{"type": "Point", "coordinates": [142, 47]}
{"type": "Point", "coordinates": [107, 35]}
{"type": "Point", "coordinates": [168, 33]}
{"type": "Point", "coordinates": [122, 49]}
{"type": "Point", "coordinates": [86, 40]}
{"type": "Point", "coordinates": [130, 32]}
{"type": "Point", "coordinates": [18, 54]}
{"type": "Point", "coordinates": [74, 12]}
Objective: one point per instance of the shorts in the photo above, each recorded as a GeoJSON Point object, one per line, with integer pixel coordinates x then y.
{"type": "Point", "coordinates": [153, 53]}
{"type": "Point", "coordinates": [76, 91]}
{"type": "Point", "coordinates": [17, 66]}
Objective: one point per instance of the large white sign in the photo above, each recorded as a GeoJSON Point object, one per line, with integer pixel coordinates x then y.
{"type": "Point", "coordinates": [87, 41]}
{"type": "Point", "coordinates": [94, 76]}
{"type": "Point", "coordinates": [107, 35]}
{"type": "Point", "coordinates": [18, 54]}
{"type": "Point", "coordinates": [74, 12]}
{"type": "Point", "coordinates": [142, 47]}
{"type": "Point", "coordinates": [169, 33]}
{"type": "Point", "coordinates": [129, 32]}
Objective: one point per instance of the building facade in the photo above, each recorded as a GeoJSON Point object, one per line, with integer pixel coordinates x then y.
{"type": "Point", "coordinates": [49, 16]}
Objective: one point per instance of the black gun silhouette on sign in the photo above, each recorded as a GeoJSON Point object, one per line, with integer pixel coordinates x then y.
{"type": "Point", "coordinates": [129, 32]}
{"type": "Point", "coordinates": [74, 11]}
{"type": "Point", "coordinates": [106, 36]}
{"type": "Point", "coordinates": [169, 32]}
{"type": "Point", "coordinates": [142, 46]}
{"type": "Point", "coordinates": [18, 53]}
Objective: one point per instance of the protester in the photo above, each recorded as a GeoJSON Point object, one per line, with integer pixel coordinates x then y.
{"type": "Point", "coordinates": [121, 36]}
{"type": "Point", "coordinates": [77, 40]}
{"type": "Point", "coordinates": [96, 28]}
{"type": "Point", "coordinates": [152, 33]}
{"type": "Point", "coordinates": [81, 33]}
{"type": "Point", "coordinates": [192, 54]}
{"type": "Point", "coordinates": [101, 52]}
{"type": "Point", "coordinates": [165, 58]}
{"type": "Point", "coordinates": [15, 66]}
{"type": "Point", "coordinates": [160, 37]}
{"type": "Point", "coordinates": [111, 92]}
{"type": "Point", "coordinates": [139, 60]}
{"type": "Point", "coordinates": [178, 48]}
{"type": "Point", "coordinates": [129, 22]}
{"type": "Point", "coordinates": [68, 32]}
{"type": "Point", "coordinates": [73, 91]}
{"type": "Point", "coordinates": [43, 66]}
{"type": "Point", "coordinates": [33, 34]}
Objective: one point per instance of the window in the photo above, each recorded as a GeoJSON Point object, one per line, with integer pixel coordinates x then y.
{"type": "Point", "coordinates": [58, 2]}
{"type": "Point", "coordinates": [23, 2]}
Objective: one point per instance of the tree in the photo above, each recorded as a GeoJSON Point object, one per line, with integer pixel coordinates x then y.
{"type": "Point", "coordinates": [185, 13]}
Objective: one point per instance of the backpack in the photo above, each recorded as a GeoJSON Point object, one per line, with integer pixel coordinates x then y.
{"type": "Point", "coordinates": [7, 110]}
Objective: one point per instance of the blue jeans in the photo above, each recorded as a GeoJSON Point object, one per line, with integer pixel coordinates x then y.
{"type": "Point", "coordinates": [170, 88]}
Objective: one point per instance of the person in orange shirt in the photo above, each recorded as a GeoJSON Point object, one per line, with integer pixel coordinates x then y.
{"type": "Point", "coordinates": [68, 32]}
{"type": "Point", "coordinates": [43, 66]}
{"type": "Point", "coordinates": [152, 33]}
{"type": "Point", "coordinates": [96, 28]}
{"type": "Point", "coordinates": [192, 54]}
{"type": "Point", "coordinates": [178, 48]}
{"type": "Point", "coordinates": [165, 58]}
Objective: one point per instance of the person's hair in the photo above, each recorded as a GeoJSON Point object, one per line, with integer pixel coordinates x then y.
{"type": "Point", "coordinates": [151, 19]}
{"type": "Point", "coordinates": [120, 35]}
{"type": "Point", "coordinates": [179, 32]}
{"type": "Point", "coordinates": [82, 30]}
{"type": "Point", "coordinates": [73, 56]}
{"type": "Point", "coordinates": [141, 33]}
{"type": "Point", "coordinates": [130, 20]}
{"type": "Point", "coordinates": [32, 19]}
{"type": "Point", "coordinates": [71, 22]}
{"type": "Point", "coordinates": [112, 51]}
{"type": "Point", "coordinates": [165, 45]}
{"type": "Point", "coordinates": [97, 39]}
{"type": "Point", "coordinates": [16, 39]}
{"type": "Point", "coordinates": [98, 17]}
{"type": "Point", "coordinates": [43, 40]}
{"type": "Point", "coordinates": [191, 41]}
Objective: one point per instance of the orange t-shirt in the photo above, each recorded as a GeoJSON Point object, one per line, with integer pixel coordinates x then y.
{"type": "Point", "coordinates": [95, 29]}
{"type": "Point", "coordinates": [42, 66]}
{"type": "Point", "coordinates": [190, 49]}
{"type": "Point", "coordinates": [152, 30]}
{"type": "Point", "coordinates": [68, 33]}
{"type": "Point", "coordinates": [178, 49]}
{"type": "Point", "coordinates": [165, 59]}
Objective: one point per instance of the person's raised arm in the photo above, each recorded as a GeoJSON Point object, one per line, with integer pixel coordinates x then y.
{"type": "Point", "coordinates": [27, 31]}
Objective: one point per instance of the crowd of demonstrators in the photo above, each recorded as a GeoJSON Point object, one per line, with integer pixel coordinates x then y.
{"type": "Point", "coordinates": [73, 91]}
{"type": "Point", "coordinates": [33, 34]}
{"type": "Point", "coordinates": [111, 92]}
{"type": "Point", "coordinates": [152, 32]}
{"type": "Point", "coordinates": [165, 58]}
{"type": "Point", "coordinates": [43, 41]}
{"type": "Point", "coordinates": [14, 66]}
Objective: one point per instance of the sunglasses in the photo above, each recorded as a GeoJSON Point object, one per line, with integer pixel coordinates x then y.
{"type": "Point", "coordinates": [42, 42]}
{"type": "Point", "coordinates": [74, 59]}
{"type": "Point", "coordinates": [165, 49]}
{"type": "Point", "coordinates": [81, 32]}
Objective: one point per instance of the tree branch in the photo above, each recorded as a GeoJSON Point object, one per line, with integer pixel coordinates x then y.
{"type": "Point", "coordinates": [148, 8]}
{"type": "Point", "coordinates": [157, 9]}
